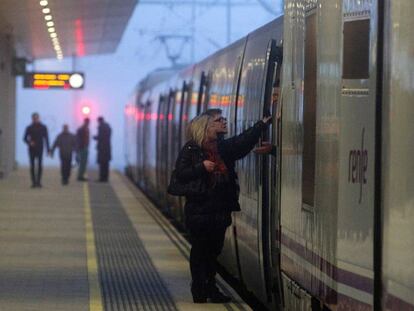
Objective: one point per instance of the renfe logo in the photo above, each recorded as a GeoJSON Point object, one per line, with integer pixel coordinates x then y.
{"type": "Point", "coordinates": [358, 165]}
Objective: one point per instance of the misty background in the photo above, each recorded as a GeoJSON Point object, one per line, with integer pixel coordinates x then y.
{"type": "Point", "coordinates": [158, 34]}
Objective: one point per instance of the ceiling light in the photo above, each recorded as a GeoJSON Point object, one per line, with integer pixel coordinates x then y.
{"type": "Point", "coordinates": [55, 40]}
{"type": "Point", "coordinates": [53, 35]}
{"type": "Point", "coordinates": [51, 29]}
{"type": "Point", "coordinates": [50, 24]}
{"type": "Point", "coordinates": [43, 3]}
{"type": "Point", "coordinates": [48, 17]}
{"type": "Point", "coordinates": [46, 10]}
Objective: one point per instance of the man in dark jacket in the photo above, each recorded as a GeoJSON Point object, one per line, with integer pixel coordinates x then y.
{"type": "Point", "coordinates": [104, 149]}
{"type": "Point", "coordinates": [66, 142]}
{"type": "Point", "coordinates": [82, 138]}
{"type": "Point", "coordinates": [34, 136]}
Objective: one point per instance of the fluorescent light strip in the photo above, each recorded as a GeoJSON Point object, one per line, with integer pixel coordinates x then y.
{"type": "Point", "coordinates": [52, 31]}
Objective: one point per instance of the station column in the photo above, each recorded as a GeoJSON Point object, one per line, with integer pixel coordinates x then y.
{"type": "Point", "coordinates": [7, 105]}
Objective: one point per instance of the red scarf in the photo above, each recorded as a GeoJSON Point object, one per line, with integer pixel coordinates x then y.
{"type": "Point", "coordinates": [213, 155]}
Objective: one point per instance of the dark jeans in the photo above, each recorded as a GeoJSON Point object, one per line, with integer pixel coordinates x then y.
{"type": "Point", "coordinates": [83, 161]}
{"type": "Point", "coordinates": [203, 259]}
{"type": "Point", "coordinates": [103, 170]}
{"type": "Point", "coordinates": [36, 175]}
{"type": "Point", "coordinates": [65, 166]}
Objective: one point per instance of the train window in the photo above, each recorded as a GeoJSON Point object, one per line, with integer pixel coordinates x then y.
{"type": "Point", "coordinates": [204, 90]}
{"type": "Point", "coordinates": [201, 90]}
{"type": "Point", "coordinates": [356, 50]}
{"type": "Point", "coordinates": [309, 113]}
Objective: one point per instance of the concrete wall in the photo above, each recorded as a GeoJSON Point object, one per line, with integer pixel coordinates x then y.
{"type": "Point", "coordinates": [7, 106]}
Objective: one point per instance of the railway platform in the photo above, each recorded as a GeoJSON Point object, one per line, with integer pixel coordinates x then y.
{"type": "Point", "coordinates": [91, 246]}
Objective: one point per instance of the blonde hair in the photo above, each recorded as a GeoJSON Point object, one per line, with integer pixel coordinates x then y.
{"type": "Point", "coordinates": [197, 129]}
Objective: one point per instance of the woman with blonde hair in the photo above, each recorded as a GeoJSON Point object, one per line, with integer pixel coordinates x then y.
{"type": "Point", "coordinates": [205, 167]}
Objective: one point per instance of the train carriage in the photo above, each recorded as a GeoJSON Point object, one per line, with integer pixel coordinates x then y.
{"type": "Point", "coordinates": [327, 224]}
{"type": "Point", "coordinates": [397, 197]}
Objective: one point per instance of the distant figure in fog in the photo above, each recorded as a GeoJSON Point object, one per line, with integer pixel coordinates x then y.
{"type": "Point", "coordinates": [66, 142]}
{"type": "Point", "coordinates": [82, 138]}
{"type": "Point", "coordinates": [34, 136]}
{"type": "Point", "coordinates": [205, 168]}
{"type": "Point", "coordinates": [104, 149]}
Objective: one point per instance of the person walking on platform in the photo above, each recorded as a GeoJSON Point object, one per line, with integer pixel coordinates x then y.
{"type": "Point", "coordinates": [82, 138]}
{"type": "Point", "coordinates": [204, 171]}
{"type": "Point", "coordinates": [104, 148]}
{"type": "Point", "coordinates": [35, 136]}
{"type": "Point", "coordinates": [66, 142]}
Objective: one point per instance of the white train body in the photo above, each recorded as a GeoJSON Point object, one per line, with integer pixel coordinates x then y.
{"type": "Point", "coordinates": [328, 224]}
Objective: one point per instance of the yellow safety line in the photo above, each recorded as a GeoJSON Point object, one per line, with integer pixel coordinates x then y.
{"type": "Point", "coordinates": [95, 299]}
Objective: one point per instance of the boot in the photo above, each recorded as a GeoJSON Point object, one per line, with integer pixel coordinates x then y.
{"type": "Point", "coordinates": [199, 292]}
{"type": "Point", "coordinates": [214, 294]}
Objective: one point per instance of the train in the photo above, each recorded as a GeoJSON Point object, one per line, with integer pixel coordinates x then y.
{"type": "Point", "coordinates": [327, 223]}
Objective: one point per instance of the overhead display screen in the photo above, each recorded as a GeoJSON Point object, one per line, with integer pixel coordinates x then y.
{"type": "Point", "coordinates": [54, 80]}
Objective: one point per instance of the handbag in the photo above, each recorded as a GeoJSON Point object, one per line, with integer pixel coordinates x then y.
{"type": "Point", "coordinates": [195, 187]}
{"type": "Point", "coordinates": [175, 187]}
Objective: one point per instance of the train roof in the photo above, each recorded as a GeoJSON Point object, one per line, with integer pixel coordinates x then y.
{"type": "Point", "coordinates": [157, 76]}
{"type": "Point", "coordinates": [162, 74]}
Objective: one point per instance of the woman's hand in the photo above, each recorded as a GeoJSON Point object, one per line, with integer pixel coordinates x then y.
{"type": "Point", "coordinates": [209, 166]}
{"type": "Point", "coordinates": [267, 120]}
{"type": "Point", "coordinates": [264, 148]}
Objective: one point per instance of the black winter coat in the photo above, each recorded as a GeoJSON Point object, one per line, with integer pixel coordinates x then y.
{"type": "Point", "coordinates": [189, 167]}
{"type": "Point", "coordinates": [35, 134]}
{"type": "Point", "coordinates": [66, 142]}
{"type": "Point", "coordinates": [104, 143]}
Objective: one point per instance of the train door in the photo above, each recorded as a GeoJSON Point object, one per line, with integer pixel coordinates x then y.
{"type": "Point", "coordinates": [357, 159]}
{"type": "Point", "coordinates": [270, 177]}
{"type": "Point", "coordinates": [162, 148]}
{"type": "Point", "coordinates": [146, 145]}
{"type": "Point", "coordinates": [397, 157]}
{"type": "Point", "coordinates": [253, 221]}
{"type": "Point", "coordinates": [203, 94]}
{"type": "Point", "coordinates": [140, 106]}
{"type": "Point", "coordinates": [173, 110]}
{"type": "Point", "coordinates": [183, 118]}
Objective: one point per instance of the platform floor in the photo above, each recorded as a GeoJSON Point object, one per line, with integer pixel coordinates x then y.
{"type": "Point", "coordinates": [91, 246]}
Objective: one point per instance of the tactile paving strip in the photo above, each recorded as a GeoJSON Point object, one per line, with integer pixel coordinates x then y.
{"type": "Point", "coordinates": [128, 278]}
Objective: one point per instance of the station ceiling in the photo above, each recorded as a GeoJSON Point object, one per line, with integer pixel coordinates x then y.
{"type": "Point", "coordinates": [83, 27]}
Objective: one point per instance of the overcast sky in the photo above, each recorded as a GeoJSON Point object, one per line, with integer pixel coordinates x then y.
{"type": "Point", "coordinates": [110, 79]}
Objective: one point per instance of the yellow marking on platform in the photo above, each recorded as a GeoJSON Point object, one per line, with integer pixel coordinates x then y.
{"type": "Point", "coordinates": [95, 298]}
